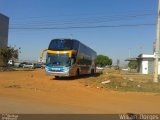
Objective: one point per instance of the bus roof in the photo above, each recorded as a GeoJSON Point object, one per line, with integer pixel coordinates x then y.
{"type": "Point", "coordinates": [72, 40]}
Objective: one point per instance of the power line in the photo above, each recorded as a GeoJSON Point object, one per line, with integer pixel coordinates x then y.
{"type": "Point", "coordinates": [84, 20]}
{"type": "Point", "coordinates": [81, 23]}
{"type": "Point", "coordinates": [80, 27]}
{"type": "Point", "coordinates": [85, 14]}
{"type": "Point", "coordinates": [90, 23]}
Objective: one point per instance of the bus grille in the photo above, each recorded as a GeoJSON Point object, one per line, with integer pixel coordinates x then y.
{"type": "Point", "coordinates": [56, 70]}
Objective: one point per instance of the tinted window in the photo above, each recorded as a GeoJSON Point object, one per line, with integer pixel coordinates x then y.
{"type": "Point", "coordinates": [58, 44]}
{"type": "Point", "coordinates": [76, 45]}
{"type": "Point", "coordinates": [58, 60]}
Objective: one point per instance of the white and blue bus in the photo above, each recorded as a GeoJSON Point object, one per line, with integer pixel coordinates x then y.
{"type": "Point", "coordinates": [69, 57]}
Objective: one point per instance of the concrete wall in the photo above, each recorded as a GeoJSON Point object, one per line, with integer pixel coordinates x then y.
{"type": "Point", "coordinates": [150, 67]}
{"type": "Point", "coordinates": [147, 66]}
{"type": "Point", "coordinates": [144, 67]}
{"type": "Point", "coordinates": [4, 25]}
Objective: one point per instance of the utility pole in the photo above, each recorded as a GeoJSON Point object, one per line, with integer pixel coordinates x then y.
{"type": "Point", "coordinates": [156, 52]}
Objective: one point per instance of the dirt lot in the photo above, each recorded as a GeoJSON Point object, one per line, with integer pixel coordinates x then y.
{"type": "Point", "coordinates": [34, 92]}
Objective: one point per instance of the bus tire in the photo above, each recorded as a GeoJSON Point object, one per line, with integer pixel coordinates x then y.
{"type": "Point", "coordinates": [77, 73]}
{"type": "Point", "coordinates": [56, 77]}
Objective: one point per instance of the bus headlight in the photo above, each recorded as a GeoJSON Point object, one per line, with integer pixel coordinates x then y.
{"type": "Point", "coordinates": [66, 70]}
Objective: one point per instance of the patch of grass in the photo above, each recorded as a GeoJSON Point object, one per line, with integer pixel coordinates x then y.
{"type": "Point", "coordinates": [2, 69]}
{"type": "Point", "coordinates": [121, 81]}
{"type": "Point", "coordinates": [126, 85]}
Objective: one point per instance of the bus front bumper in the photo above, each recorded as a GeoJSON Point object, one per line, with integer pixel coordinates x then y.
{"type": "Point", "coordinates": [57, 73]}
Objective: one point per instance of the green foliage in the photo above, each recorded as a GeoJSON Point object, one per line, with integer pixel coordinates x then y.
{"type": "Point", "coordinates": [6, 54]}
{"type": "Point", "coordinates": [103, 60]}
{"type": "Point", "coordinates": [133, 64]}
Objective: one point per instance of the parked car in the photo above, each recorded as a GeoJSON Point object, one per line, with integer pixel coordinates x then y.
{"type": "Point", "coordinates": [28, 65]}
{"type": "Point", "coordinates": [36, 65]}
{"type": "Point", "coordinates": [22, 64]}
{"type": "Point", "coordinates": [43, 65]}
{"type": "Point", "coordinates": [16, 64]}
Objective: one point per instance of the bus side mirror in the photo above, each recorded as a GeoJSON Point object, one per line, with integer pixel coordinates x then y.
{"type": "Point", "coordinates": [72, 61]}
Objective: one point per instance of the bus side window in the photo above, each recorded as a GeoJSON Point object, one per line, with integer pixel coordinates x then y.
{"type": "Point", "coordinates": [75, 45]}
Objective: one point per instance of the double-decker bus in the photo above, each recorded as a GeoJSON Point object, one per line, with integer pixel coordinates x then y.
{"type": "Point", "coordinates": [69, 57]}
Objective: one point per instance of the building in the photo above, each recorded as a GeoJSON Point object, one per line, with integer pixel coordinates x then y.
{"type": "Point", "coordinates": [4, 25]}
{"type": "Point", "coordinates": [145, 63]}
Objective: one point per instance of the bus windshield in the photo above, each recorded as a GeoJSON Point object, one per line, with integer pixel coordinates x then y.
{"type": "Point", "coordinates": [58, 60]}
{"type": "Point", "coordinates": [58, 44]}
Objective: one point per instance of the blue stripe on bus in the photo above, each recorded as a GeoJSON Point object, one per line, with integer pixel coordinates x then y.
{"type": "Point", "coordinates": [54, 68]}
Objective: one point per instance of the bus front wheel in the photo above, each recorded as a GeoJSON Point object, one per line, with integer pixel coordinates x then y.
{"type": "Point", "coordinates": [56, 77]}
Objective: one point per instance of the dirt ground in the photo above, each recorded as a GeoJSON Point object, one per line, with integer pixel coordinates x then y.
{"type": "Point", "coordinates": [34, 92]}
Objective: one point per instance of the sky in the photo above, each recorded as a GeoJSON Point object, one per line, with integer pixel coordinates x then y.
{"type": "Point", "coordinates": [118, 29]}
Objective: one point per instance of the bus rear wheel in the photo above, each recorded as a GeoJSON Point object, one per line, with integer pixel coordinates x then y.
{"type": "Point", "coordinates": [77, 73]}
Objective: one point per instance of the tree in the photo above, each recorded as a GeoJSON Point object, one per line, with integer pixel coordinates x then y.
{"type": "Point", "coordinates": [103, 60]}
{"type": "Point", "coordinates": [8, 53]}
{"type": "Point", "coordinates": [133, 64]}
